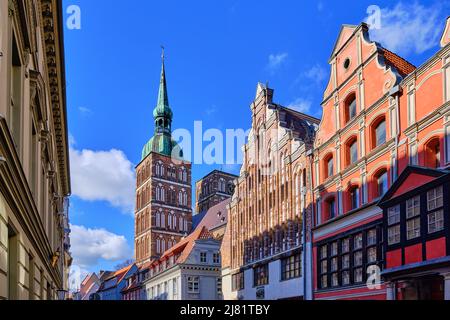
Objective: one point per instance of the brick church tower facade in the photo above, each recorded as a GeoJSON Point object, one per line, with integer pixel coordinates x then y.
{"type": "Point", "coordinates": [163, 214]}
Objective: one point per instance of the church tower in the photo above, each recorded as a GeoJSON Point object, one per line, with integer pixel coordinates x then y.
{"type": "Point", "coordinates": [163, 213]}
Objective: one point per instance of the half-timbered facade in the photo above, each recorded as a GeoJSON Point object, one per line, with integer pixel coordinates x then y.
{"type": "Point", "coordinates": [416, 229]}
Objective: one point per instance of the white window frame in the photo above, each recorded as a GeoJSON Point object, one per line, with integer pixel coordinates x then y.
{"type": "Point", "coordinates": [413, 207]}
{"type": "Point", "coordinates": [435, 198]}
{"type": "Point", "coordinates": [193, 284]}
{"type": "Point", "coordinates": [436, 221]}
{"type": "Point", "coordinates": [395, 236]}
{"type": "Point", "coordinates": [413, 229]}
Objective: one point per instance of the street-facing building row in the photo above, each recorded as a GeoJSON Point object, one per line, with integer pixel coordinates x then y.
{"type": "Point", "coordinates": [351, 206]}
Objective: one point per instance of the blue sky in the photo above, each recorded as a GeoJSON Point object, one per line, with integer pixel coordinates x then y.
{"type": "Point", "coordinates": [216, 52]}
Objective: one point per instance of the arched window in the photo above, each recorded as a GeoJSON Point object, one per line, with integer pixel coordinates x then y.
{"type": "Point", "coordinates": [163, 220]}
{"type": "Point", "coordinates": [174, 222]}
{"type": "Point", "coordinates": [352, 151]}
{"type": "Point", "coordinates": [353, 193]}
{"type": "Point", "coordinates": [433, 153]}
{"type": "Point", "coordinates": [181, 224]}
{"type": "Point", "coordinates": [163, 245]}
{"type": "Point", "coordinates": [163, 194]}
{"type": "Point", "coordinates": [330, 208]}
{"type": "Point", "coordinates": [328, 165]}
{"type": "Point", "coordinates": [169, 220]}
{"type": "Point", "coordinates": [158, 219]}
{"type": "Point", "coordinates": [378, 133]}
{"type": "Point", "coordinates": [381, 180]}
{"type": "Point", "coordinates": [350, 108]}
{"type": "Point", "coordinates": [158, 245]}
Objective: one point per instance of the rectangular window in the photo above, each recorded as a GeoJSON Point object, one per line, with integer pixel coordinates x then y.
{"type": "Point", "coordinates": [346, 261]}
{"type": "Point", "coordinates": [324, 282]}
{"type": "Point", "coordinates": [334, 249]}
{"type": "Point", "coordinates": [436, 221]}
{"type": "Point", "coordinates": [323, 252]}
{"type": "Point", "coordinates": [358, 259]}
{"type": "Point", "coordinates": [435, 199]}
{"type": "Point", "coordinates": [358, 275]}
{"type": "Point", "coordinates": [372, 255]}
{"type": "Point", "coordinates": [346, 245]}
{"type": "Point", "coordinates": [358, 241]}
{"type": "Point", "coordinates": [413, 229]}
{"type": "Point", "coordinates": [291, 267]}
{"type": "Point", "coordinates": [193, 284]}
{"type": "Point", "coordinates": [334, 264]}
{"type": "Point", "coordinates": [216, 257]}
{"type": "Point", "coordinates": [372, 237]}
{"type": "Point", "coordinates": [203, 257]}
{"type": "Point", "coordinates": [394, 235]}
{"type": "Point", "coordinates": [334, 280]}
{"type": "Point", "coordinates": [324, 266]}
{"type": "Point", "coordinates": [393, 215]}
{"type": "Point", "coordinates": [413, 207]}
{"type": "Point", "coordinates": [345, 278]}
{"type": "Point", "coordinates": [175, 287]}
{"type": "Point", "coordinates": [261, 275]}
{"type": "Point", "coordinates": [237, 281]}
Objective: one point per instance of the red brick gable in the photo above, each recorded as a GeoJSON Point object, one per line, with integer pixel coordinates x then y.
{"type": "Point", "coordinates": [413, 181]}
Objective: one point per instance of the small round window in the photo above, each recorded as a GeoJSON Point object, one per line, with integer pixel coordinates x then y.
{"type": "Point", "coordinates": [347, 63]}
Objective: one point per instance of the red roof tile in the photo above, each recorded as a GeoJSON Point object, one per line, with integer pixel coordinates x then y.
{"type": "Point", "coordinates": [402, 66]}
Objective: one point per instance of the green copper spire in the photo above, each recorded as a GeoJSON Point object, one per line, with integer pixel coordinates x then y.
{"type": "Point", "coordinates": [162, 110]}
{"type": "Point", "coordinates": [162, 142]}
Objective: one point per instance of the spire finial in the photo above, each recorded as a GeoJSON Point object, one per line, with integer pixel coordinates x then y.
{"type": "Point", "coordinates": [162, 53]}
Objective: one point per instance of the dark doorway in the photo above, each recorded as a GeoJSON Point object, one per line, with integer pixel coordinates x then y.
{"type": "Point", "coordinates": [424, 288]}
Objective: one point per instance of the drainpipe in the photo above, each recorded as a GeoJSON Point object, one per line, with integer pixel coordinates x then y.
{"type": "Point", "coordinates": [307, 266]}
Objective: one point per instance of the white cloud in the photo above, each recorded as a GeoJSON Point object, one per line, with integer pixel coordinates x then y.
{"type": "Point", "coordinates": [85, 110]}
{"type": "Point", "coordinates": [317, 73]}
{"type": "Point", "coordinates": [90, 246]}
{"type": "Point", "coordinates": [276, 60]}
{"type": "Point", "coordinates": [301, 105]}
{"type": "Point", "coordinates": [409, 28]}
{"type": "Point", "coordinates": [103, 176]}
